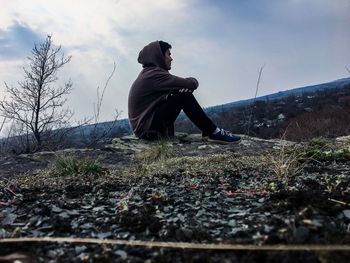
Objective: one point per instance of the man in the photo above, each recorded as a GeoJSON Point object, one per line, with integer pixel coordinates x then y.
{"type": "Point", "coordinates": [156, 98]}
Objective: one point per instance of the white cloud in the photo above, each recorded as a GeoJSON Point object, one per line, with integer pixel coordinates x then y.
{"type": "Point", "coordinates": [222, 43]}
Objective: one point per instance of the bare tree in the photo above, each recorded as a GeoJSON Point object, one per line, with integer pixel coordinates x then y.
{"type": "Point", "coordinates": [36, 102]}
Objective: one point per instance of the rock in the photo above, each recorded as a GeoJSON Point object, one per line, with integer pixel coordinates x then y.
{"type": "Point", "coordinates": [347, 213]}
{"type": "Point", "coordinates": [104, 235]}
{"type": "Point", "coordinates": [343, 139]}
{"type": "Point", "coordinates": [9, 219]}
{"type": "Point", "coordinates": [184, 234]}
{"type": "Point", "coordinates": [202, 147]}
{"type": "Point", "coordinates": [301, 234]}
{"type": "Point", "coordinates": [129, 138]}
{"type": "Point", "coordinates": [79, 249]}
{"type": "Point", "coordinates": [98, 208]}
{"type": "Point", "coordinates": [56, 209]}
{"type": "Point", "coordinates": [44, 153]}
{"type": "Point", "coordinates": [53, 253]}
{"type": "Point", "coordinates": [63, 215]}
{"type": "Point", "coordinates": [232, 223]}
{"type": "Point", "coordinates": [122, 254]}
{"type": "Point", "coordinates": [267, 228]}
{"type": "Point", "coordinates": [86, 226]}
{"type": "Point", "coordinates": [73, 212]}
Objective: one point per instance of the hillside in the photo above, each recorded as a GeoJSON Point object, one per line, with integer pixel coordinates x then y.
{"type": "Point", "coordinates": [297, 114]}
{"type": "Point", "coordinates": [258, 201]}
{"type": "Point", "coordinates": [336, 84]}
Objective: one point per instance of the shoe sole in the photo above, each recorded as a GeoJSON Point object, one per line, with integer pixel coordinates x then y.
{"type": "Point", "coordinates": [223, 142]}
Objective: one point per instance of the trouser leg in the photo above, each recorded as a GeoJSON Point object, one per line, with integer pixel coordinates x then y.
{"type": "Point", "coordinates": [171, 108]}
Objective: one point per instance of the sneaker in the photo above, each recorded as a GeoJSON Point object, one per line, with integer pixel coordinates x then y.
{"type": "Point", "coordinates": [224, 137]}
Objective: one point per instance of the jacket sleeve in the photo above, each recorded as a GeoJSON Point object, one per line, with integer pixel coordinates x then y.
{"type": "Point", "coordinates": [166, 81]}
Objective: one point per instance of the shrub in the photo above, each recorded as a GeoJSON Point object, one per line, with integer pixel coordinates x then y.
{"type": "Point", "coordinates": [328, 122]}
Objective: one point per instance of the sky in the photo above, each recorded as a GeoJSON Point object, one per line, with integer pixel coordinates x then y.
{"type": "Point", "coordinates": [222, 43]}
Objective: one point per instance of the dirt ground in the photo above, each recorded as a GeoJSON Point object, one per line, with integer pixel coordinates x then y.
{"type": "Point", "coordinates": [203, 193]}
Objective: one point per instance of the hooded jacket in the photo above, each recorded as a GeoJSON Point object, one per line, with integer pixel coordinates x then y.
{"type": "Point", "coordinates": [151, 88]}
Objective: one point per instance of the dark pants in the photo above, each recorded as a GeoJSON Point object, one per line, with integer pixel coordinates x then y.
{"type": "Point", "coordinates": [171, 108]}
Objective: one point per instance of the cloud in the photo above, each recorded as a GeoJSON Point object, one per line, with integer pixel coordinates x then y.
{"type": "Point", "coordinates": [222, 43]}
{"type": "Point", "coordinates": [17, 40]}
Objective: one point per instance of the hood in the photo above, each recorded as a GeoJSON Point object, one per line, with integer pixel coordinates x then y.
{"type": "Point", "coordinates": [151, 55]}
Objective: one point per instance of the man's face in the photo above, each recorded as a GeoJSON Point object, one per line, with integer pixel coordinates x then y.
{"type": "Point", "coordinates": [167, 59]}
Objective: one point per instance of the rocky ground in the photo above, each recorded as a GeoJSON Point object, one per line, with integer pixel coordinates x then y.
{"type": "Point", "coordinates": [260, 192]}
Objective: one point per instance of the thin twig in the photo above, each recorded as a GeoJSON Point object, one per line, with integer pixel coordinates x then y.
{"type": "Point", "coordinates": [348, 70]}
{"type": "Point", "coordinates": [100, 98]}
{"type": "Point", "coordinates": [255, 95]}
{"type": "Point", "coordinates": [2, 124]}
{"type": "Point", "coordinates": [337, 201]}
{"type": "Point", "coordinates": [181, 245]}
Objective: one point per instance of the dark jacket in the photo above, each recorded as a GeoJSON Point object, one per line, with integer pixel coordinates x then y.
{"type": "Point", "coordinates": [151, 87]}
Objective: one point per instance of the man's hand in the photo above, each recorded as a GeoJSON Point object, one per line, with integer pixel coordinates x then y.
{"type": "Point", "coordinates": [186, 90]}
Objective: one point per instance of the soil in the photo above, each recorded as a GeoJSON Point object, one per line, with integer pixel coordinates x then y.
{"type": "Point", "coordinates": [224, 205]}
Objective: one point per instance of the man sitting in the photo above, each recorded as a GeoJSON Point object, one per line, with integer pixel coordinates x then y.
{"type": "Point", "coordinates": [156, 98]}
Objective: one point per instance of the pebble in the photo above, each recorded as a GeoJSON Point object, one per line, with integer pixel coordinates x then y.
{"type": "Point", "coordinates": [232, 223]}
{"type": "Point", "coordinates": [79, 249]}
{"type": "Point", "coordinates": [347, 213]}
{"type": "Point", "coordinates": [122, 254]}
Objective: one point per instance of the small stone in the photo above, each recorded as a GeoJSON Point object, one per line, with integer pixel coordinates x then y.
{"type": "Point", "coordinates": [104, 235]}
{"type": "Point", "coordinates": [72, 212]}
{"type": "Point", "coordinates": [232, 223]}
{"type": "Point", "coordinates": [52, 254]}
{"type": "Point", "coordinates": [122, 254]}
{"type": "Point", "coordinates": [267, 228]}
{"type": "Point", "coordinates": [129, 138]}
{"type": "Point", "coordinates": [98, 208]}
{"type": "Point", "coordinates": [56, 209]}
{"type": "Point", "coordinates": [9, 219]}
{"type": "Point", "coordinates": [317, 222]}
{"type": "Point", "coordinates": [86, 226]}
{"type": "Point", "coordinates": [184, 234]}
{"type": "Point", "coordinates": [301, 234]}
{"type": "Point", "coordinates": [200, 213]}
{"type": "Point", "coordinates": [235, 230]}
{"type": "Point", "coordinates": [79, 249]}
{"type": "Point", "coordinates": [63, 215]}
{"type": "Point", "coordinates": [84, 257]}
{"type": "Point", "coordinates": [202, 147]}
{"type": "Point", "coordinates": [346, 213]}
{"type": "Point", "coordinates": [261, 200]}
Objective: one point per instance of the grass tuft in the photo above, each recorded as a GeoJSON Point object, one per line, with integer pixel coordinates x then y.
{"type": "Point", "coordinates": [69, 165]}
{"type": "Point", "coordinates": [157, 152]}
{"type": "Point", "coordinates": [287, 162]}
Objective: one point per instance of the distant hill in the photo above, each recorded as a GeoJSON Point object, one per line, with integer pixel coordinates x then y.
{"type": "Point", "coordinates": [340, 83]}
{"type": "Point", "coordinates": [299, 114]}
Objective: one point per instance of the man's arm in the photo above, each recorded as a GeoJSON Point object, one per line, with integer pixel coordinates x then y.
{"type": "Point", "coordinates": [166, 81]}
